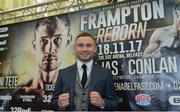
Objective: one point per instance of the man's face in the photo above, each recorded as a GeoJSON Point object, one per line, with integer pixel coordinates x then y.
{"type": "Point", "coordinates": [85, 48]}
{"type": "Point", "coordinates": [48, 45]}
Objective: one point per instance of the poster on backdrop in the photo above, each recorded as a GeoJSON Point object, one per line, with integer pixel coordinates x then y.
{"type": "Point", "coordinates": [138, 40]}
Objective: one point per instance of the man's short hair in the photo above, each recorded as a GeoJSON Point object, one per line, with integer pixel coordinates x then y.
{"type": "Point", "coordinates": [86, 34]}
{"type": "Point", "coordinates": [51, 23]}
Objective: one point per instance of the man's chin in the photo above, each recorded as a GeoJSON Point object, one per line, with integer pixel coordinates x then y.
{"type": "Point", "coordinates": [50, 69]}
{"type": "Point", "coordinates": [85, 59]}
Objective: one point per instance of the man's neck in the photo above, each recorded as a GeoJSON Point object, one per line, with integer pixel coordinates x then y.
{"type": "Point", "coordinates": [48, 76]}
{"type": "Point", "coordinates": [42, 77]}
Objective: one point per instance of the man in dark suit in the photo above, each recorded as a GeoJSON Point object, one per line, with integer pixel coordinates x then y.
{"type": "Point", "coordinates": [84, 85]}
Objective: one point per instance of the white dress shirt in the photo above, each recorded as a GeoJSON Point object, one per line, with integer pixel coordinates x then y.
{"type": "Point", "coordinates": [80, 69]}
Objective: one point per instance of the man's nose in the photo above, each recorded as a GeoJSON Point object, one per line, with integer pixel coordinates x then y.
{"type": "Point", "coordinates": [84, 48]}
{"type": "Point", "coordinates": [50, 48]}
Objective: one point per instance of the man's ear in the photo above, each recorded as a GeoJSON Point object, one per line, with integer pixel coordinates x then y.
{"type": "Point", "coordinates": [69, 39]}
{"type": "Point", "coordinates": [95, 49]}
{"type": "Point", "coordinates": [34, 44]}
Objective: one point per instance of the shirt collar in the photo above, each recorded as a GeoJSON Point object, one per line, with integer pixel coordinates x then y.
{"type": "Point", "coordinates": [88, 64]}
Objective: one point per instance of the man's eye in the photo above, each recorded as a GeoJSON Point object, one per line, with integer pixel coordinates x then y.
{"type": "Point", "coordinates": [57, 40]}
{"type": "Point", "coordinates": [80, 45]}
{"type": "Point", "coordinates": [44, 42]}
{"type": "Point", "coordinates": [89, 45]}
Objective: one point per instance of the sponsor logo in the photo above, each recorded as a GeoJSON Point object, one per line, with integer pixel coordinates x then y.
{"type": "Point", "coordinates": [142, 99]}
{"type": "Point", "coordinates": [3, 42]}
{"type": "Point", "coordinates": [3, 29]}
{"type": "Point", "coordinates": [6, 97]}
{"type": "Point", "coordinates": [1, 108]}
{"type": "Point", "coordinates": [4, 35]}
{"type": "Point", "coordinates": [174, 100]}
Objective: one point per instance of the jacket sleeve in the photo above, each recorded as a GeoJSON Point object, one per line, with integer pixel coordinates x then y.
{"type": "Point", "coordinates": [110, 97]}
{"type": "Point", "coordinates": [57, 92]}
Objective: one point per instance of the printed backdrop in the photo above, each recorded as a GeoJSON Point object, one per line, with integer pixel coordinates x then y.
{"type": "Point", "coordinates": [137, 40]}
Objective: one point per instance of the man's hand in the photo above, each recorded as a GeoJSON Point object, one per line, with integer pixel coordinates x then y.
{"type": "Point", "coordinates": [96, 100]}
{"type": "Point", "coordinates": [63, 100]}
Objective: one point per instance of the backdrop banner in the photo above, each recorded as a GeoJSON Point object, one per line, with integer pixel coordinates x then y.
{"type": "Point", "coordinates": [138, 40]}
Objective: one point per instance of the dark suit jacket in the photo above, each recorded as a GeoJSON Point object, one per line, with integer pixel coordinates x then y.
{"type": "Point", "coordinates": [101, 81]}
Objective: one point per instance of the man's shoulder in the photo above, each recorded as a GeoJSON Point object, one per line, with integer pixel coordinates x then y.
{"type": "Point", "coordinates": [103, 72]}
{"type": "Point", "coordinates": [69, 68]}
{"type": "Point", "coordinates": [164, 30]}
{"type": "Point", "coordinates": [26, 84]}
{"type": "Point", "coordinates": [99, 67]}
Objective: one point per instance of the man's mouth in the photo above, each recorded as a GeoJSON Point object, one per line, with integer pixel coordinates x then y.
{"type": "Point", "coordinates": [49, 60]}
{"type": "Point", "coordinates": [85, 55]}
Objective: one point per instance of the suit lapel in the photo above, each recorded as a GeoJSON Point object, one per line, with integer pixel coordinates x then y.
{"type": "Point", "coordinates": [71, 81]}
{"type": "Point", "coordinates": [92, 82]}
{"type": "Point", "coordinates": [78, 79]}
{"type": "Point", "coordinates": [73, 71]}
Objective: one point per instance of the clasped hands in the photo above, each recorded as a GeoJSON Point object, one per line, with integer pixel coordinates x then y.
{"type": "Point", "coordinates": [95, 99]}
